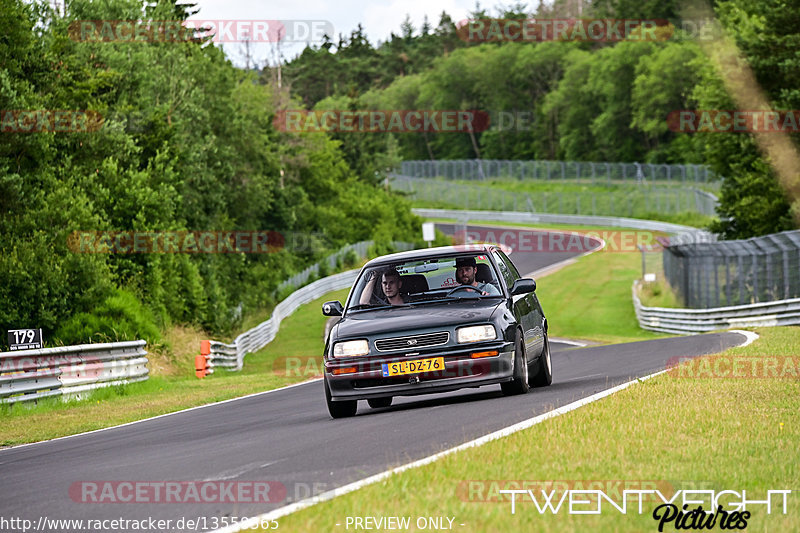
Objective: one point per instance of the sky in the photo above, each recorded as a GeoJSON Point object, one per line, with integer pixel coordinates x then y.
{"type": "Point", "coordinates": [378, 17]}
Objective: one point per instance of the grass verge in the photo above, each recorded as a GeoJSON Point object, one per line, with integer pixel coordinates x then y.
{"type": "Point", "coordinates": [658, 294]}
{"type": "Point", "coordinates": [670, 204]}
{"type": "Point", "coordinates": [678, 432]}
{"type": "Point", "coordinates": [23, 422]}
{"type": "Point", "coordinates": [591, 299]}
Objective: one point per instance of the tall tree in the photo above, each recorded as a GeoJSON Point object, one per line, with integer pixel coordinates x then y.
{"type": "Point", "coordinates": [752, 201]}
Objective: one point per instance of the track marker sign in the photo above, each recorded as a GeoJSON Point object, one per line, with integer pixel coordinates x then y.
{"type": "Point", "coordinates": [24, 339]}
{"type": "Point", "coordinates": [428, 232]}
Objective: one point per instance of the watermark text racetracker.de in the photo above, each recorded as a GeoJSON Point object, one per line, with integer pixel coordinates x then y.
{"type": "Point", "coordinates": [166, 492]}
{"type": "Point", "coordinates": [735, 367]}
{"type": "Point", "coordinates": [49, 121]}
{"type": "Point", "coordinates": [192, 242]}
{"type": "Point", "coordinates": [381, 120]}
{"type": "Point", "coordinates": [218, 31]}
{"type": "Point", "coordinates": [585, 30]}
{"type": "Point", "coordinates": [213, 492]}
{"type": "Point", "coordinates": [546, 29]}
{"type": "Point", "coordinates": [197, 523]}
{"type": "Point", "coordinates": [559, 242]}
{"type": "Point", "coordinates": [734, 121]}
{"type": "Point", "coordinates": [312, 366]}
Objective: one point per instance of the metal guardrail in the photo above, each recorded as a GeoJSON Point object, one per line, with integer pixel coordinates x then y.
{"type": "Point", "coordinates": [541, 218]}
{"type": "Point", "coordinates": [231, 356]}
{"type": "Point", "coordinates": [359, 248]}
{"type": "Point", "coordinates": [692, 321]}
{"type": "Point", "coordinates": [68, 370]}
{"type": "Point", "coordinates": [222, 356]}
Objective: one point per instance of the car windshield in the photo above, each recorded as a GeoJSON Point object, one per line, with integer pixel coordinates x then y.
{"type": "Point", "coordinates": [425, 280]}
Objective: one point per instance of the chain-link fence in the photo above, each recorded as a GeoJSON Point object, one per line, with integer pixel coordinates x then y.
{"type": "Point", "coordinates": [583, 171]}
{"type": "Point", "coordinates": [652, 262]}
{"type": "Point", "coordinates": [635, 202]}
{"type": "Point", "coordinates": [724, 273]}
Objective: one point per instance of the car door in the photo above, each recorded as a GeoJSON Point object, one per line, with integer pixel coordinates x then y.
{"type": "Point", "coordinates": [531, 314]}
{"type": "Point", "coordinates": [521, 306]}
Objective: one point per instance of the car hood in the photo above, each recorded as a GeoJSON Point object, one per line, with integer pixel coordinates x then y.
{"type": "Point", "coordinates": [426, 316]}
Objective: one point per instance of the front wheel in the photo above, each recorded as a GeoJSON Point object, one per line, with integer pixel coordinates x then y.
{"type": "Point", "coordinates": [339, 409]}
{"type": "Point", "coordinates": [518, 385]}
{"type": "Point", "coordinates": [544, 373]}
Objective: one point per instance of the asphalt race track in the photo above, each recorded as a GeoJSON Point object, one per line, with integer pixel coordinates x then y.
{"type": "Point", "coordinates": [286, 436]}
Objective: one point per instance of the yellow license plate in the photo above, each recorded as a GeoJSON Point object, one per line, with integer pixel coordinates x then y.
{"type": "Point", "coordinates": [413, 367]}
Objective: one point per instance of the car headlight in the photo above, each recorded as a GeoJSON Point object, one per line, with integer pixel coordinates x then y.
{"type": "Point", "coordinates": [350, 348]}
{"type": "Point", "coordinates": [476, 333]}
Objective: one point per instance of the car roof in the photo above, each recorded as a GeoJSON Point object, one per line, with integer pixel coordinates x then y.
{"type": "Point", "coordinates": [425, 253]}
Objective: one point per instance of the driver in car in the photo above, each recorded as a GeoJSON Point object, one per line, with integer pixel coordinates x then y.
{"type": "Point", "coordinates": [466, 269]}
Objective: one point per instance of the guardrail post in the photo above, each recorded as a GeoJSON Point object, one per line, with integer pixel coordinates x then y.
{"type": "Point", "coordinates": [201, 360]}
{"type": "Point", "coordinates": [200, 366]}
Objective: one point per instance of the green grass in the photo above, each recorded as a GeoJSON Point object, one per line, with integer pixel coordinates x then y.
{"type": "Point", "coordinates": [619, 183]}
{"type": "Point", "coordinates": [568, 197]}
{"type": "Point", "coordinates": [300, 334]}
{"type": "Point", "coordinates": [575, 186]}
{"type": "Point", "coordinates": [677, 432]}
{"type": "Point", "coordinates": [591, 299]}
{"type": "Point", "coordinates": [658, 294]}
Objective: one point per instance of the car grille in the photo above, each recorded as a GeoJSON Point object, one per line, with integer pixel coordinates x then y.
{"type": "Point", "coordinates": [412, 342]}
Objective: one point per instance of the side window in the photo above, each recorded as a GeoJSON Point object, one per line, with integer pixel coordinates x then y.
{"type": "Point", "coordinates": [510, 266]}
{"type": "Point", "coordinates": [507, 275]}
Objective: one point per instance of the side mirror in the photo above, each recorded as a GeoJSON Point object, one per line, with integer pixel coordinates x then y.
{"type": "Point", "coordinates": [523, 286]}
{"type": "Point", "coordinates": [333, 308]}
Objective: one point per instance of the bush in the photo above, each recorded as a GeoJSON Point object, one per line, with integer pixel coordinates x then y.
{"type": "Point", "coordinates": [350, 259]}
{"type": "Point", "coordinates": [324, 269]}
{"type": "Point", "coordinates": [284, 293]}
{"type": "Point", "coordinates": [121, 317]}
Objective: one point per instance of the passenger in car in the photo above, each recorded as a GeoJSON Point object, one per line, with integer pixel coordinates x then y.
{"type": "Point", "coordinates": [390, 283]}
{"type": "Point", "coordinates": [466, 268]}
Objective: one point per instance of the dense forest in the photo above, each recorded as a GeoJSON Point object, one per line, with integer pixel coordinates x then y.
{"type": "Point", "coordinates": [186, 143]}
{"type": "Point", "coordinates": [580, 100]}
{"type": "Point", "coordinates": [173, 137]}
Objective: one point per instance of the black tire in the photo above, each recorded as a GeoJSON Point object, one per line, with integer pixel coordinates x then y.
{"type": "Point", "coordinates": [544, 367]}
{"type": "Point", "coordinates": [377, 403]}
{"type": "Point", "coordinates": [339, 409]}
{"type": "Point", "coordinates": [518, 385]}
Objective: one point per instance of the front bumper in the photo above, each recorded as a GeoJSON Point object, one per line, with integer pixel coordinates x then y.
{"type": "Point", "coordinates": [460, 371]}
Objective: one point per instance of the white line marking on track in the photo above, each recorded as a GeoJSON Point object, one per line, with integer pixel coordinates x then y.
{"type": "Point", "coordinates": [748, 334]}
{"type": "Point", "coordinates": [162, 416]}
{"type": "Point", "coordinates": [525, 424]}
{"type": "Point", "coordinates": [580, 377]}
{"type": "Point", "coordinates": [568, 341]}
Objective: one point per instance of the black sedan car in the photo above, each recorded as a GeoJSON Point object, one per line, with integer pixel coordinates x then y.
{"type": "Point", "coordinates": [435, 320]}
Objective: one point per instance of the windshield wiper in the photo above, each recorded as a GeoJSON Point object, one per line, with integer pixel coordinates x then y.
{"type": "Point", "coordinates": [362, 307]}
{"type": "Point", "coordinates": [434, 300]}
